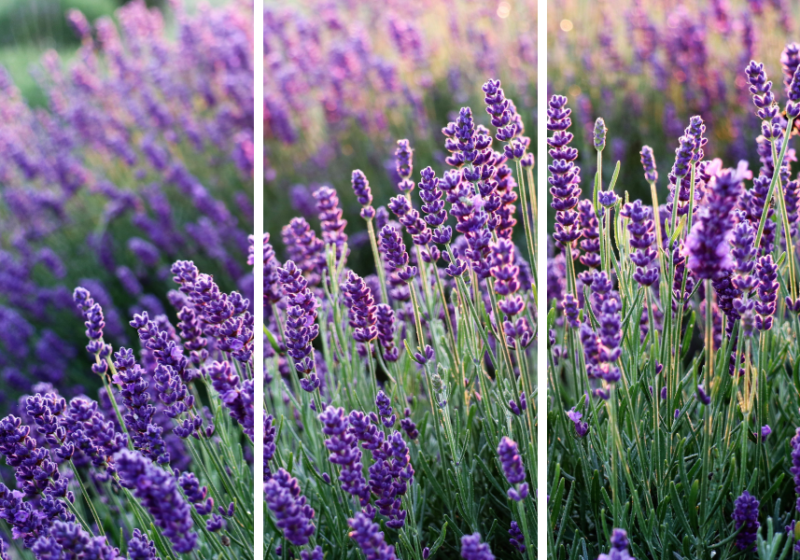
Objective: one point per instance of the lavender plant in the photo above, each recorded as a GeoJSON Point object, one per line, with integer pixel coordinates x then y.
{"type": "Point", "coordinates": [673, 359]}
{"type": "Point", "coordinates": [159, 465]}
{"type": "Point", "coordinates": [400, 417]}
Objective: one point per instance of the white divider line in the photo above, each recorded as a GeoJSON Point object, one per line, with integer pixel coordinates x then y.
{"type": "Point", "coordinates": [258, 274]}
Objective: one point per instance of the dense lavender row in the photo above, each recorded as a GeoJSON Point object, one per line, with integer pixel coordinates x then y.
{"type": "Point", "coordinates": [648, 66]}
{"type": "Point", "coordinates": [120, 476]}
{"type": "Point", "coordinates": [344, 79]}
{"type": "Point", "coordinates": [143, 155]}
{"type": "Point", "coordinates": [673, 356]}
{"type": "Point", "coordinates": [400, 404]}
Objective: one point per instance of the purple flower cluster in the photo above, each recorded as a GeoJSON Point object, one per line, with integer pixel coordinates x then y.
{"type": "Point", "coordinates": [394, 250]}
{"type": "Point", "coordinates": [158, 493]}
{"type": "Point", "coordinates": [767, 273]}
{"type": "Point", "coordinates": [293, 516]}
{"type": "Point", "coordinates": [235, 394]}
{"type": "Point", "coordinates": [386, 327]}
{"type": "Point", "coordinates": [363, 194]}
{"type": "Point", "coordinates": [344, 452]}
{"type": "Point", "coordinates": [590, 239]}
{"type": "Point", "coordinates": [360, 308]}
{"type": "Point", "coordinates": [564, 174]}
{"type": "Point", "coordinates": [473, 549]}
{"type": "Point", "coordinates": [331, 222]}
{"type": "Point", "coordinates": [745, 514]}
{"type": "Point", "coordinates": [367, 534]}
{"type": "Point", "coordinates": [649, 164]}
{"type": "Point", "coordinates": [301, 327]}
{"type": "Point", "coordinates": [506, 275]}
{"type": "Point", "coordinates": [641, 228]}
{"type": "Point", "coordinates": [619, 547]}
{"type": "Point", "coordinates": [513, 468]}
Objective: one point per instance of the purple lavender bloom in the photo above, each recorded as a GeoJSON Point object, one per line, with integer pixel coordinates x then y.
{"type": "Point", "coordinates": [641, 228]}
{"type": "Point", "coordinates": [745, 514]}
{"type": "Point", "coordinates": [599, 135]}
{"type": "Point", "coordinates": [707, 243]}
{"type": "Point", "coordinates": [69, 540]}
{"type": "Point", "coordinates": [344, 452]}
{"type": "Point", "coordinates": [386, 327]}
{"type": "Point", "coordinates": [581, 428]}
{"type": "Point", "coordinates": [765, 432]}
{"type": "Point", "coordinates": [305, 249]}
{"type": "Point", "coordinates": [649, 164]}
{"type": "Point", "coordinates": [409, 427]}
{"type": "Point", "coordinates": [743, 251]}
{"type": "Point", "coordinates": [384, 405]}
{"type": "Point", "coordinates": [395, 252]}
{"type": "Point", "coordinates": [795, 468]}
{"type": "Point", "coordinates": [363, 194]}
{"type": "Point", "coordinates": [473, 549]}
{"type": "Point", "coordinates": [292, 515]}
{"type": "Point", "coordinates": [330, 218]}
{"type": "Point", "coordinates": [236, 395]}
{"type": "Point", "coordinates": [506, 285]}
{"type": "Point", "coordinates": [360, 308]}
{"type": "Point", "coordinates": [767, 273]}
{"type": "Point", "coordinates": [564, 174]}
{"type": "Point", "coordinates": [761, 88]}
{"type": "Point", "coordinates": [516, 538]}
{"type": "Point", "coordinates": [146, 436]}
{"type": "Point", "coordinates": [461, 139]}
{"type": "Point", "coordinates": [301, 327]}
{"type": "Point", "coordinates": [702, 396]}
{"type": "Point", "coordinates": [403, 158]}
{"type": "Point", "coordinates": [269, 445]}
{"type": "Point", "coordinates": [196, 494]}
{"type": "Point", "coordinates": [158, 493]}
{"type": "Point", "coordinates": [571, 307]}
{"type": "Point", "coordinates": [513, 469]}
{"type": "Point", "coordinates": [590, 238]}
{"type": "Point", "coordinates": [619, 547]}
{"type": "Point", "coordinates": [140, 547]}
{"type": "Point", "coordinates": [369, 538]}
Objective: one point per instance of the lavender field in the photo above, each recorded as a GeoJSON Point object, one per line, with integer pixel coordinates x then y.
{"type": "Point", "coordinates": [126, 295]}
{"type": "Point", "coordinates": [672, 281]}
{"type": "Point", "coordinates": [400, 296]}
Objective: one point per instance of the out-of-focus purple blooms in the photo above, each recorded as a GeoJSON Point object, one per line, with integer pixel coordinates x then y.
{"type": "Point", "coordinates": [649, 164]}
{"type": "Point", "coordinates": [745, 514]}
{"type": "Point", "coordinates": [513, 469]}
{"type": "Point", "coordinates": [158, 493]}
{"type": "Point", "coordinates": [765, 432]}
{"type": "Point", "coordinates": [304, 249]}
{"type": "Point", "coordinates": [384, 405]}
{"type": "Point", "coordinates": [292, 515]}
{"type": "Point", "coordinates": [473, 549]}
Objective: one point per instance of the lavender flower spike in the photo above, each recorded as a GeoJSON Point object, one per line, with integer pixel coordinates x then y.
{"type": "Point", "coordinates": [619, 547]}
{"type": "Point", "coordinates": [473, 549]}
{"type": "Point", "coordinates": [649, 164]}
{"type": "Point", "coordinates": [513, 469]}
{"type": "Point", "coordinates": [292, 515]}
{"type": "Point", "coordinates": [745, 514]}
{"type": "Point", "coordinates": [363, 194]}
{"type": "Point", "coordinates": [369, 538]}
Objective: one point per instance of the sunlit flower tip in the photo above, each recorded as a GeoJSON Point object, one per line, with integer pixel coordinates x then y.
{"type": "Point", "coordinates": [599, 136]}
